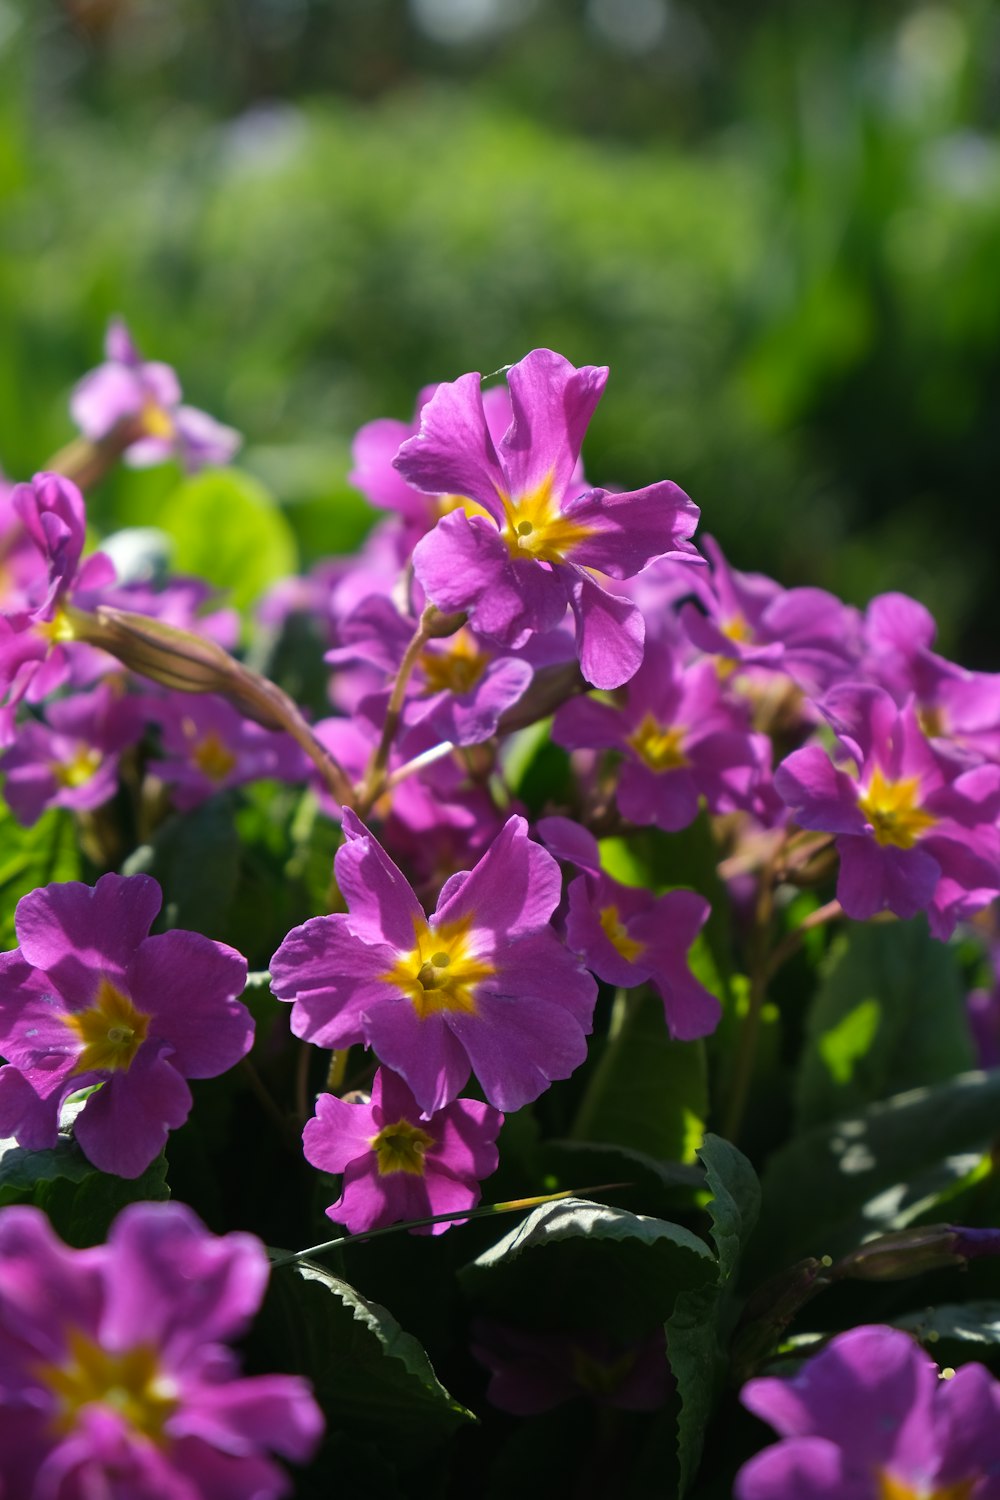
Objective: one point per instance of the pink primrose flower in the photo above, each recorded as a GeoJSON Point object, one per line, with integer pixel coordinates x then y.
{"type": "Point", "coordinates": [89, 1001]}
{"type": "Point", "coordinates": [532, 1372]}
{"type": "Point", "coordinates": [914, 832]}
{"type": "Point", "coordinates": [484, 983]}
{"type": "Point", "coordinates": [539, 541]}
{"type": "Point", "coordinates": [627, 936]}
{"type": "Point", "coordinates": [115, 1378]}
{"type": "Point", "coordinates": [397, 1165]}
{"type": "Point", "coordinates": [70, 760]}
{"type": "Point", "coordinates": [126, 385]}
{"type": "Point", "coordinates": [207, 745]}
{"type": "Point", "coordinates": [869, 1418]}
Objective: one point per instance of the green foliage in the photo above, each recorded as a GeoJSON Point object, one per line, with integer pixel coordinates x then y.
{"type": "Point", "coordinates": [694, 1329]}
{"type": "Point", "coordinates": [889, 1016]}
{"type": "Point", "coordinates": [554, 1270]}
{"type": "Point", "coordinates": [80, 1201]}
{"type": "Point", "coordinates": [227, 529]}
{"type": "Point", "coordinates": [31, 857]}
{"type": "Point", "coordinates": [374, 1381]}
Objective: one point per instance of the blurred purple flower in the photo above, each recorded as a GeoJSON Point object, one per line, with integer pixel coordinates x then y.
{"type": "Point", "coordinates": [71, 760]}
{"type": "Point", "coordinates": [115, 1378]}
{"type": "Point", "coordinates": [532, 1373]}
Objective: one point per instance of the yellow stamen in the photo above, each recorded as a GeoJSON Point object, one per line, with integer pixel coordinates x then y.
{"type": "Point", "coordinates": [536, 528]}
{"type": "Point", "coordinates": [892, 809]}
{"type": "Point", "coordinates": [79, 769]}
{"type": "Point", "coordinates": [736, 629]}
{"type": "Point", "coordinates": [212, 757]}
{"type": "Point", "coordinates": [156, 423]}
{"type": "Point", "coordinates": [614, 929]}
{"type": "Point", "coordinates": [401, 1147]}
{"type": "Point", "coordinates": [59, 628]}
{"type": "Point", "coordinates": [660, 747]}
{"type": "Point", "coordinates": [891, 1488]}
{"type": "Point", "coordinates": [440, 972]}
{"type": "Point", "coordinates": [111, 1029]}
{"type": "Point", "coordinates": [130, 1382]}
{"type": "Point", "coordinates": [455, 669]}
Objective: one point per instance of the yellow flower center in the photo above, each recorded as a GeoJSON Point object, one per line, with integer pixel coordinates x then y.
{"type": "Point", "coordinates": [111, 1029]}
{"type": "Point", "coordinates": [447, 503]}
{"type": "Point", "coordinates": [80, 767]}
{"type": "Point", "coordinates": [440, 972]}
{"type": "Point", "coordinates": [156, 423]}
{"type": "Point", "coordinates": [736, 629]}
{"type": "Point", "coordinates": [661, 748]}
{"type": "Point", "coordinates": [214, 759]}
{"type": "Point", "coordinates": [535, 526]}
{"type": "Point", "coordinates": [455, 669]}
{"type": "Point", "coordinates": [59, 628]}
{"type": "Point", "coordinates": [401, 1148]}
{"type": "Point", "coordinates": [600, 1377]}
{"type": "Point", "coordinates": [892, 809]}
{"type": "Point", "coordinates": [891, 1488]}
{"type": "Point", "coordinates": [614, 930]}
{"type": "Point", "coordinates": [129, 1382]}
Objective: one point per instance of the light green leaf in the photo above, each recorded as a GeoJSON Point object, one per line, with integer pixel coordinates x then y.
{"type": "Point", "coordinates": [227, 529]}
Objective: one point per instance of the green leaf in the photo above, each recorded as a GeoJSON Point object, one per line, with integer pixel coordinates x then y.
{"type": "Point", "coordinates": [575, 1266]}
{"type": "Point", "coordinates": [227, 529]}
{"type": "Point", "coordinates": [80, 1201]}
{"type": "Point", "coordinates": [888, 1016]}
{"type": "Point", "coordinates": [646, 1092]}
{"type": "Point", "coordinates": [956, 1332]}
{"type": "Point", "coordinates": [196, 858]}
{"type": "Point", "coordinates": [693, 1330]}
{"type": "Point", "coordinates": [880, 1169]}
{"type": "Point", "coordinates": [374, 1382]}
{"type": "Point", "coordinates": [33, 857]}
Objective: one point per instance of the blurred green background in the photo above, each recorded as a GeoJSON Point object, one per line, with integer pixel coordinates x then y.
{"type": "Point", "coordinates": [778, 223]}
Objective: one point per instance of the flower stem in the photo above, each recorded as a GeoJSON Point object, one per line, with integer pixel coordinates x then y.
{"type": "Point", "coordinates": [374, 781]}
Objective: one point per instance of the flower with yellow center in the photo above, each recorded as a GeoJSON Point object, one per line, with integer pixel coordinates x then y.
{"type": "Point", "coordinates": [401, 1147]}
{"type": "Point", "coordinates": [111, 1028]}
{"type": "Point", "coordinates": [81, 767]}
{"type": "Point", "coordinates": [659, 746]}
{"type": "Point", "coordinates": [441, 972]}
{"type": "Point", "coordinates": [130, 1382]}
{"type": "Point", "coordinates": [893, 810]}
{"type": "Point", "coordinates": [213, 758]}
{"type": "Point", "coordinates": [455, 669]}
{"type": "Point", "coordinates": [534, 526]}
{"type": "Point", "coordinates": [614, 930]}
{"type": "Point", "coordinates": [891, 1488]}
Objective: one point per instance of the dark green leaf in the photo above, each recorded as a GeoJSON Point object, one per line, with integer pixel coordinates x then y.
{"type": "Point", "coordinates": [888, 1016]}
{"type": "Point", "coordinates": [576, 1266]}
{"type": "Point", "coordinates": [196, 858]}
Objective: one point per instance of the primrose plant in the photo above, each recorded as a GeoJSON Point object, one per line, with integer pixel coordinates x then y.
{"type": "Point", "coordinates": [536, 852]}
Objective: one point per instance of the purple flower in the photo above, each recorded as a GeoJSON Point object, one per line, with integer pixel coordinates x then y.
{"type": "Point", "coordinates": [72, 759]}
{"type": "Point", "coordinates": [34, 631]}
{"type": "Point", "coordinates": [460, 685]}
{"type": "Point", "coordinates": [484, 983]}
{"type": "Point", "coordinates": [869, 1418]}
{"type": "Point", "coordinates": [536, 1372]}
{"type": "Point", "coordinates": [125, 386]}
{"type": "Point", "coordinates": [88, 1000]}
{"type": "Point", "coordinates": [515, 569]}
{"type": "Point", "coordinates": [681, 740]}
{"type": "Point", "coordinates": [627, 936]}
{"type": "Point", "coordinates": [115, 1378]}
{"type": "Point", "coordinates": [912, 835]}
{"type": "Point", "coordinates": [208, 745]}
{"type": "Point", "coordinates": [749, 619]}
{"type": "Point", "coordinates": [397, 1165]}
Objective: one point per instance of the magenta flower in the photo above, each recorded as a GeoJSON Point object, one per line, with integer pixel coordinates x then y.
{"type": "Point", "coordinates": [115, 1378]}
{"type": "Point", "coordinates": [869, 1418]}
{"type": "Point", "coordinates": [681, 739]}
{"type": "Point", "coordinates": [126, 385]}
{"type": "Point", "coordinates": [88, 1000]}
{"type": "Point", "coordinates": [207, 745]}
{"type": "Point", "coordinates": [515, 569]}
{"type": "Point", "coordinates": [397, 1165]}
{"type": "Point", "coordinates": [484, 983]}
{"type": "Point", "coordinates": [35, 629]}
{"type": "Point", "coordinates": [627, 936]}
{"type": "Point", "coordinates": [912, 835]}
{"type": "Point", "coordinates": [71, 760]}
{"type": "Point", "coordinates": [749, 619]}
